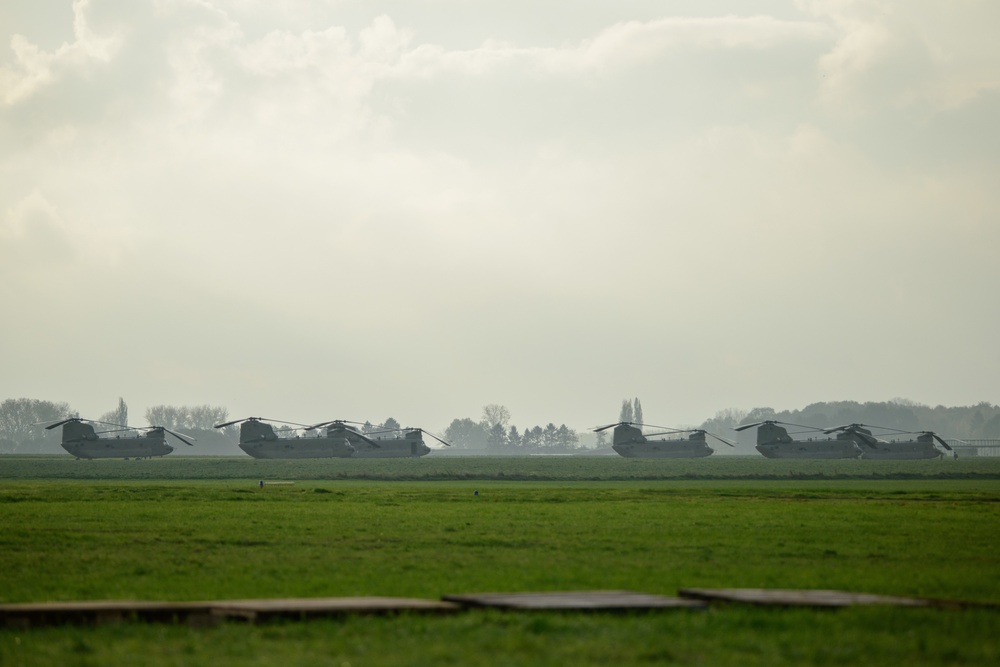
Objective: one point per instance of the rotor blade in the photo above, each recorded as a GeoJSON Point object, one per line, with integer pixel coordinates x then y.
{"type": "Point", "coordinates": [811, 428]}
{"type": "Point", "coordinates": [446, 444]}
{"type": "Point", "coordinates": [235, 421]}
{"type": "Point", "coordinates": [333, 421]}
{"type": "Point", "coordinates": [64, 421]}
{"type": "Point", "coordinates": [720, 439]}
{"type": "Point", "coordinates": [666, 428]}
{"type": "Point", "coordinates": [940, 439]}
{"type": "Point", "coordinates": [182, 438]}
{"type": "Point", "coordinates": [259, 419]}
{"type": "Point", "coordinates": [604, 428]}
{"type": "Point", "coordinates": [746, 426]}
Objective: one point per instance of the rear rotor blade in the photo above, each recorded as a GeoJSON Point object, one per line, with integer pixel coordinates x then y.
{"type": "Point", "coordinates": [940, 439]}
{"type": "Point", "coordinates": [182, 438]}
{"type": "Point", "coordinates": [719, 439]}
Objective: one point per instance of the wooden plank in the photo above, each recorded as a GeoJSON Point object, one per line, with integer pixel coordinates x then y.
{"type": "Point", "coordinates": [102, 611]}
{"type": "Point", "coordinates": [798, 597]}
{"type": "Point", "coordinates": [260, 610]}
{"type": "Point", "coordinates": [205, 613]}
{"type": "Point", "coordinates": [575, 600]}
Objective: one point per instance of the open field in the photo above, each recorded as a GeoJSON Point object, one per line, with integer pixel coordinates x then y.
{"type": "Point", "coordinates": [192, 539]}
{"type": "Point", "coordinates": [506, 468]}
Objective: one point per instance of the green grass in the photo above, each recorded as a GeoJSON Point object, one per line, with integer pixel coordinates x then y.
{"type": "Point", "coordinates": [196, 539]}
{"type": "Point", "coordinates": [506, 468]}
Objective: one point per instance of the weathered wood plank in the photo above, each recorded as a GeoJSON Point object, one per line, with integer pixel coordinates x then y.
{"type": "Point", "coordinates": [798, 597]}
{"type": "Point", "coordinates": [207, 612]}
{"type": "Point", "coordinates": [312, 607]}
{"type": "Point", "coordinates": [574, 600]}
{"type": "Point", "coordinates": [102, 611]}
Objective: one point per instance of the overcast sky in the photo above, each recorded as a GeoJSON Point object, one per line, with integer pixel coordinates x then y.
{"type": "Point", "coordinates": [309, 210]}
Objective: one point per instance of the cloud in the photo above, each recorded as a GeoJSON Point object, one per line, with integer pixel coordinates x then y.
{"type": "Point", "coordinates": [36, 69]}
{"type": "Point", "coordinates": [930, 55]}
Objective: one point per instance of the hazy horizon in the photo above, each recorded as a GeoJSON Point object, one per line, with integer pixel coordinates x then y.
{"type": "Point", "coordinates": [318, 210]}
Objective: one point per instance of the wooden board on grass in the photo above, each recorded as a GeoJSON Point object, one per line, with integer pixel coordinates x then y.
{"type": "Point", "coordinates": [575, 601]}
{"type": "Point", "coordinates": [798, 597]}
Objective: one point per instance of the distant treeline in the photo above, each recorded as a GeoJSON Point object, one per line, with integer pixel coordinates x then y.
{"type": "Point", "coordinates": [22, 421]}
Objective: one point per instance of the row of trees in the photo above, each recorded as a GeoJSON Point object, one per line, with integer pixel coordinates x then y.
{"type": "Point", "coordinates": [21, 421]}
{"type": "Point", "coordinates": [494, 432]}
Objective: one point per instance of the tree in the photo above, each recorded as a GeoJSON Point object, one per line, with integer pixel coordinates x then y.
{"type": "Point", "coordinates": [602, 440]}
{"type": "Point", "coordinates": [626, 414]}
{"type": "Point", "coordinates": [496, 437]}
{"type": "Point", "coordinates": [186, 418]}
{"type": "Point", "coordinates": [389, 424]}
{"type": "Point", "coordinates": [550, 436]}
{"type": "Point", "coordinates": [117, 416]}
{"type": "Point", "coordinates": [532, 438]}
{"type": "Point", "coordinates": [513, 438]}
{"type": "Point", "coordinates": [724, 421]}
{"type": "Point", "coordinates": [566, 438]}
{"type": "Point", "coordinates": [466, 434]}
{"type": "Point", "coordinates": [494, 414]}
{"type": "Point", "coordinates": [21, 421]}
{"type": "Point", "coordinates": [637, 411]}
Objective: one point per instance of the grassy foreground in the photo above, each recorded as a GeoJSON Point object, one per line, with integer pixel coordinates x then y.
{"type": "Point", "coordinates": [194, 540]}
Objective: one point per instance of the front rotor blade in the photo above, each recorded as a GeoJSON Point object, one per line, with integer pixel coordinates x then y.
{"type": "Point", "coordinates": [604, 428]}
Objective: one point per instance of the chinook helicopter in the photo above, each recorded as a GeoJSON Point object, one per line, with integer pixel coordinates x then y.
{"type": "Point", "coordinates": [80, 439]}
{"type": "Point", "coordinates": [259, 439]}
{"type": "Point", "coordinates": [774, 442]}
{"type": "Point", "coordinates": [875, 448]}
{"type": "Point", "coordinates": [375, 446]}
{"type": "Point", "coordinates": [630, 442]}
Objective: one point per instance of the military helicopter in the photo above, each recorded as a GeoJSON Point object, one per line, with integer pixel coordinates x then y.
{"type": "Point", "coordinates": [629, 441]}
{"type": "Point", "coordinates": [378, 445]}
{"type": "Point", "coordinates": [874, 448]}
{"type": "Point", "coordinates": [774, 442]}
{"type": "Point", "coordinates": [80, 439]}
{"type": "Point", "coordinates": [259, 439]}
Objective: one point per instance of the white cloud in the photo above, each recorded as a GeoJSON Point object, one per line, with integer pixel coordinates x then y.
{"type": "Point", "coordinates": [35, 68]}
{"type": "Point", "coordinates": [930, 54]}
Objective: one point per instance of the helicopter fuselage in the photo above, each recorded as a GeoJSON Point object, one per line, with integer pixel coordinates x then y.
{"type": "Point", "coordinates": [628, 441]}
{"type": "Point", "coordinates": [261, 442]}
{"type": "Point", "coordinates": [410, 446]}
{"type": "Point", "coordinates": [774, 442]}
{"type": "Point", "coordinates": [83, 442]}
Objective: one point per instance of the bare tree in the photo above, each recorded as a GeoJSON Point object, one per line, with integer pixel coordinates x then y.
{"type": "Point", "coordinates": [495, 415]}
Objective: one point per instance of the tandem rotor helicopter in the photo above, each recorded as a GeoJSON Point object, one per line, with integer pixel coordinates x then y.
{"type": "Point", "coordinates": [774, 442]}
{"type": "Point", "coordinates": [873, 447]}
{"type": "Point", "coordinates": [403, 443]}
{"type": "Point", "coordinates": [629, 441]}
{"type": "Point", "coordinates": [259, 439]}
{"type": "Point", "coordinates": [80, 439]}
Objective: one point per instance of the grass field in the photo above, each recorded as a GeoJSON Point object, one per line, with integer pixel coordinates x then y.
{"type": "Point", "coordinates": [926, 528]}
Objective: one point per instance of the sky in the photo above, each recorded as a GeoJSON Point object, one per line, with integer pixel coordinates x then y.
{"type": "Point", "coordinates": [310, 210]}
